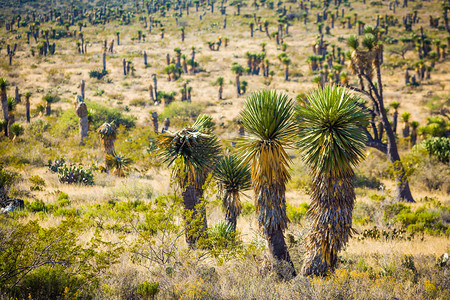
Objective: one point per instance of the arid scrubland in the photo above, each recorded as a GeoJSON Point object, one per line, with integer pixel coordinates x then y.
{"type": "Point", "coordinates": [104, 216]}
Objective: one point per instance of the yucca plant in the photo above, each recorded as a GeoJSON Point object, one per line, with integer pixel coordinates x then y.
{"type": "Point", "coordinates": [27, 106]}
{"type": "Point", "coordinates": [366, 64]}
{"type": "Point", "coordinates": [49, 99]}
{"type": "Point", "coordinates": [331, 142]}
{"type": "Point", "coordinates": [219, 82]}
{"type": "Point", "coordinates": [233, 177]}
{"type": "Point", "coordinates": [119, 164]}
{"type": "Point", "coordinates": [16, 130]}
{"type": "Point", "coordinates": [192, 153]}
{"type": "Point", "coordinates": [395, 105]}
{"type": "Point", "coordinates": [237, 70]}
{"type": "Point", "coordinates": [268, 119]}
{"type": "Point", "coordinates": [3, 86]}
{"type": "Point", "coordinates": [108, 136]}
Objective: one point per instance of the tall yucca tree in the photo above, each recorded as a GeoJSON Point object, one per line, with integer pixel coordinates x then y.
{"type": "Point", "coordinates": [331, 142]}
{"type": "Point", "coordinates": [233, 178]}
{"type": "Point", "coordinates": [268, 119]}
{"type": "Point", "coordinates": [366, 64]}
{"type": "Point", "coordinates": [192, 153]}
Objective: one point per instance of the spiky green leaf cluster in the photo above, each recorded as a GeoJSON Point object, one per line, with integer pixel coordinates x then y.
{"type": "Point", "coordinates": [232, 175]}
{"type": "Point", "coordinates": [195, 148]}
{"type": "Point", "coordinates": [107, 130]}
{"type": "Point", "coordinates": [353, 42]}
{"type": "Point", "coordinates": [330, 135]}
{"type": "Point", "coordinates": [3, 84]}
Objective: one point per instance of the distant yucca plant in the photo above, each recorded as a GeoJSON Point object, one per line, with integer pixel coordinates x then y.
{"type": "Point", "coordinates": [118, 163]}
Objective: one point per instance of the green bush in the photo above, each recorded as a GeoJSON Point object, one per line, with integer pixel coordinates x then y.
{"type": "Point", "coordinates": [37, 206]}
{"type": "Point", "coordinates": [50, 263]}
{"type": "Point", "coordinates": [148, 290]}
{"type": "Point", "coordinates": [438, 147]}
{"type": "Point", "coordinates": [50, 283]}
{"type": "Point", "coordinates": [99, 74]}
{"type": "Point", "coordinates": [363, 181]}
{"type": "Point", "coordinates": [184, 111]}
{"type": "Point", "coordinates": [63, 199]}
{"type": "Point", "coordinates": [7, 179]}
{"type": "Point", "coordinates": [392, 210]}
{"type": "Point", "coordinates": [67, 124]}
{"type": "Point", "coordinates": [37, 183]}
{"type": "Point", "coordinates": [296, 213]}
{"type": "Point", "coordinates": [247, 208]}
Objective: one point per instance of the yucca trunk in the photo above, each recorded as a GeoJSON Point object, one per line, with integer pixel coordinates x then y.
{"type": "Point", "coordinates": [271, 203]}
{"type": "Point", "coordinates": [27, 108]}
{"type": "Point", "coordinates": [195, 215]}
{"type": "Point", "coordinates": [83, 123]}
{"type": "Point", "coordinates": [48, 109]}
{"type": "Point", "coordinates": [232, 207]}
{"type": "Point", "coordinates": [108, 146]}
{"type": "Point", "coordinates": [238, 85]}
{"type": "Point", "coordinates": [11, 121]}
{"type": "Point", "coordinates": [330, 218]}
{"type": "Point", "coordinates": [220, 92]}
{"type": "Point", "coordinates": [395, 121]}
{"type": "Point", "coordinates": [5, 110]}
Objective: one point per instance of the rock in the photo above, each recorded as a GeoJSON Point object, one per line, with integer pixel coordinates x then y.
{"type": "Point", "coordinates": [13, 205]}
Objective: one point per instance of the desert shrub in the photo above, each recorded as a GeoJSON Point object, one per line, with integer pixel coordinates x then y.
{"type": "Point", "coordinates": [75, 174]}
{"type": "Point", "coordinates": [36, 206]}
{"type": "Point", "coordinates": [63, 199]}
{"type": "Point", "coordinates": [432, 218]}
{"type": "Point", "coordinates": [67, 124]}
{"type": "Point", "coordinates": [436, 127]}
{"type": "Point", "coordinates": [7, 180]}
{"type": "Point", "coordinates": [183, 111]}
{"type": "Point", "coordinates": [390, 211]}
{"type": "Point", "coordinates": [362, 181]}
{"type": "Point", "coordinates": [148, 290]}
{"type": "Point", "coordinates": [247, 208]}
{"type": "Point", "coordinates": [296, 213]}
{"type": "Point", "coordinates": [37, 183]}
{"type": "Point", "coordinates": [99, 114]}
{"type": "Point", "coordinates": [138, 102]}
{"type": "Point", "coordinates": [364, 213]}
{"type": "Point", "coordinates": [438, 147]}
{"type": "Point", "coordinates": [40, 263]}
{"type": "Point", "coordinates": [37, 127]}
{"type": "Point", "coordinates": [50, 283]}
{"type": "Point", "coordinates": [99, 74]}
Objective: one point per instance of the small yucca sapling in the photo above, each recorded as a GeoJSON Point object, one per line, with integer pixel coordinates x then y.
{"type": "Point", "coordinates": [219, 82]}
{"type": "Point", "coordinates": [232, 177]}
{"type": "Point", "coordinates": [16, 130]}
{"type": "Point", "coordinates": [118, 163]}
{"type": "Point", "coordinates": [395, 105]}
{"type": "Point", "coordinates": [49, 99]}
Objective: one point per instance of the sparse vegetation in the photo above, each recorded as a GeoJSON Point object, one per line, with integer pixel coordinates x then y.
{"type": "Point", "coordinates": [164, 203]}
